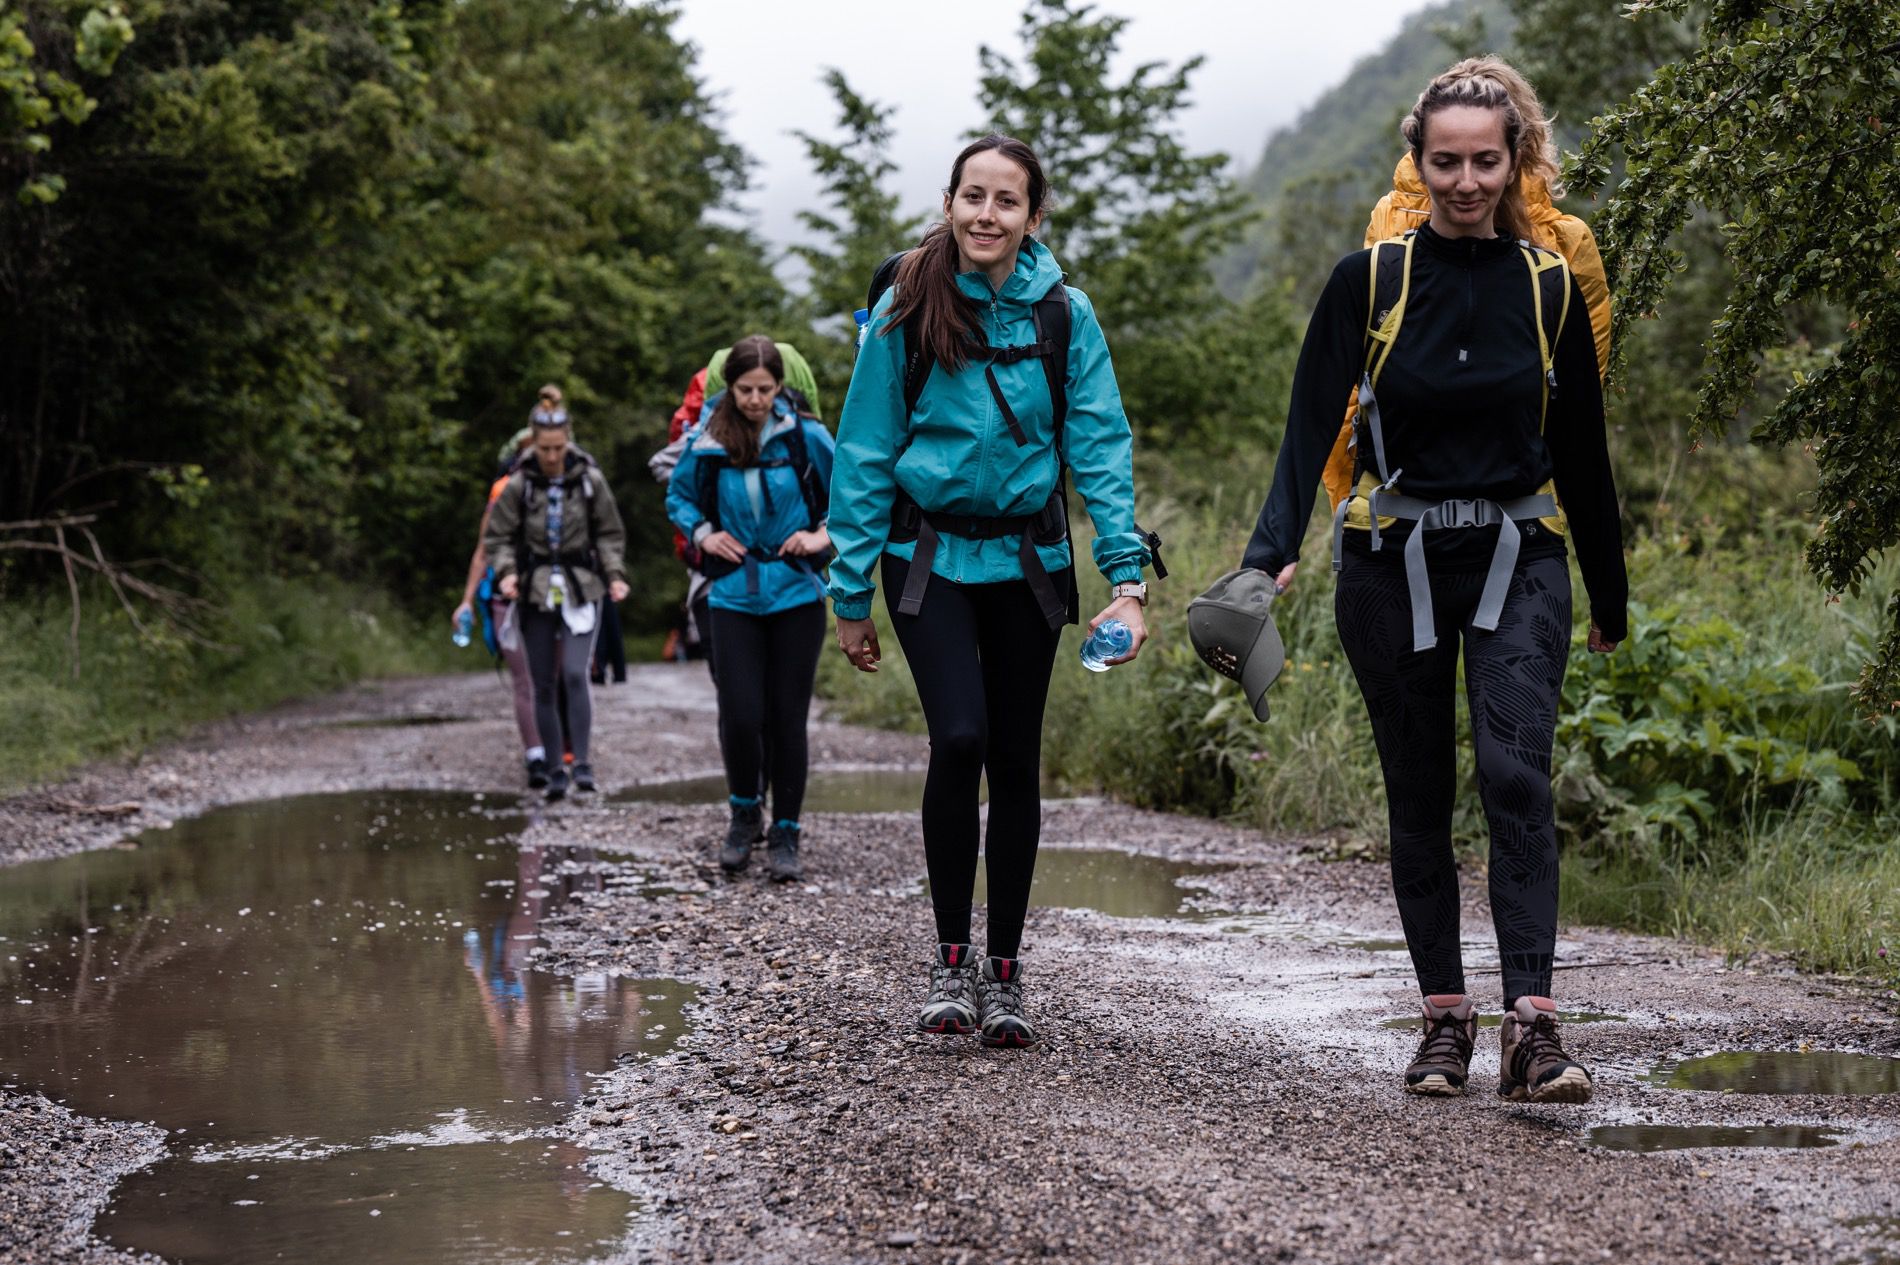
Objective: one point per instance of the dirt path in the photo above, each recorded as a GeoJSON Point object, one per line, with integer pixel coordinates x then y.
{"type": "Point", "coordinates": [1211, 1088]}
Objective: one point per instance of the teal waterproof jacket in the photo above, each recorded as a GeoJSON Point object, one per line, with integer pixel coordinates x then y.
{"type": "Point", "coordinates": [761, 506]}
{"type": "Point", "coordinates": [954, 455]}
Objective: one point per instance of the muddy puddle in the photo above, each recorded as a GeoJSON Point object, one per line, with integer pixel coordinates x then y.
{"type": "Point", "coordinates": [421, 721]}
{"type": "Point", "coordinates": [1120, 884]}
{"type": "Point", "coordinates": [1686, 1137]}
{"type": "Point", "coordinates": [326, 1001]}
{"type": "Point", "coordinates": [1783, 1072]}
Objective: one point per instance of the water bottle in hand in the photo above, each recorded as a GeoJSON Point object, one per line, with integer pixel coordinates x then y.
{"type": "Point", "coordinates": [1111, 640]}
{"type": "Point", "coordinates": [464, 629]}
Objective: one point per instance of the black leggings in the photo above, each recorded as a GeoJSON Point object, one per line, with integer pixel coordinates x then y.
{"type": "Point", "coordinates": [981, 656]}
{"type": "Point", "coordinates": [767, 664]}
{"type": "Point", "coordinates": [557, 660]}
{"type": "Point", "coordinates": [1513, 678]}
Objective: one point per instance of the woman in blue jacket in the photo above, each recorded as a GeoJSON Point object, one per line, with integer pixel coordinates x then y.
{"type": "Point", "coordinates": [749, 491]}
{"type": "Point", "coordinates": [952, 487]}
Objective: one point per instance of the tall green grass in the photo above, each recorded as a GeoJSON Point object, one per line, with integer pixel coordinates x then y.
{"type": "Point", "coordinates": [1713, 776]}
{"type": "Point", "coordinates": [276, 640]}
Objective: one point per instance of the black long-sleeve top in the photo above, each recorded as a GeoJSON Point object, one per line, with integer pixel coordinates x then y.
{"type": "Point", "coordinates": [1459, 402]}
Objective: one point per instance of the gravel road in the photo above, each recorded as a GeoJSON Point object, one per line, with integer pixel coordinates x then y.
{"type": "Point", "coordinates": [1216, 1086]}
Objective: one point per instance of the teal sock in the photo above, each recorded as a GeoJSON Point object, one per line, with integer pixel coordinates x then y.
{"type": "Point", "coordinates": [786, 823]}
{"type": "Point", "coordinates": [740, 801]}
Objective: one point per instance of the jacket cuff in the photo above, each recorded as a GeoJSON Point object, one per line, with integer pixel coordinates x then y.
{"type": "Point", "coordinates": [857, 606]}
{"type": "Point", "coordinates": [1124, 573]}
{"type": "Point", "coordinates": [702, 531]}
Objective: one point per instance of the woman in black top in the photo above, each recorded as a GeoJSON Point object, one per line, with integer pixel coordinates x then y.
{"type": "Point", "coordinates": [1472, 438]}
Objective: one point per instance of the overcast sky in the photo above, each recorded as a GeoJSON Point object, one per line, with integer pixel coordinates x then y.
{"type": "Point", "coordinates": [762, 60]}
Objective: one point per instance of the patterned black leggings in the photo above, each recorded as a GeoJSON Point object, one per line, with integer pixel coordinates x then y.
{"type": "Point", "coordinates": [1513, 678]}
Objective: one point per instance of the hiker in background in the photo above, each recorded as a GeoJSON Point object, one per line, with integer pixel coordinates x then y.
{"type": "Point", "coordinates": [1479, 409]}
{"type": "Point", "coordinates": [949, 479]}
{"type": "Point", "coordinates": [498, 631]}
{"type": "Point", "coordinates": [749, 493]}
{"type": "Point", "coordinates": [556, 545]}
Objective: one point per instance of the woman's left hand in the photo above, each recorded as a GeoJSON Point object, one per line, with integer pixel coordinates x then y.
{"type": "Point", "coordinates": [1598, 644]}
{"type": "Point", "coordinates": [1129, 611]}
{"type": "Point", "coordinates": [805, 544]}
{"type": "Point", "coordinates": [618, 590]}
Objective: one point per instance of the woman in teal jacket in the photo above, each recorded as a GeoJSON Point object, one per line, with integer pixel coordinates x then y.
{"type": "Point", "coordinates": [749, 492]}
{"type": "Point", "coordinates": [953, 489]}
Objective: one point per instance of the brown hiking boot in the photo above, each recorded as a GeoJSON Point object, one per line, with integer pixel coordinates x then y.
{"type": "Point", "coordinates": [1439, 1068]}
{"type": "Point", "coordinates": [1534, 1067]}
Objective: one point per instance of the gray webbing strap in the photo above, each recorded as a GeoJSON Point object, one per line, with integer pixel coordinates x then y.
{"type": "Point", "coordinates": [912, 600]}
{"type": "Point", "coordinates": [1463, 513]}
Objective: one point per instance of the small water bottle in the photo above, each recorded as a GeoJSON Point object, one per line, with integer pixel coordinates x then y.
{"type": "Point", "coordinates": [1110, 641]}
{"type": "Point", "coordinates": [557, 590]}
{"type": "Point", "coordinates": [464, 629]}
{"type": "Point", "coordinates": [863, 317]}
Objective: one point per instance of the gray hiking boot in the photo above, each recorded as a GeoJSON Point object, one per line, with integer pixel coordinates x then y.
{"type": "Point", "coordinates": [781, 852]}
{"type": "Point", "coordinates": [999, 994]}
{"type": "Point", "coordinates": [741, 834]}
{"type": "Point", "coordinates": [1534, 1067]}
{"type": "Point", "coordinates": [951, 1008]}
{"type": "Point", "coordinates": [1443, 1061]}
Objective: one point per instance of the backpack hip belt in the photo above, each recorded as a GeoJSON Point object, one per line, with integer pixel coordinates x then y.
{"type": "Point", "coordinates": [585, 558]}
{"type": "Point", "coordinates": [714, 567]}
{"type": "Point", "coordinates": [1048, 526]}
{"type": "Point", "coordinates": [1550, 299]}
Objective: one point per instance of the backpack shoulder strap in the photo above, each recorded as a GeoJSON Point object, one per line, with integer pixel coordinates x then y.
{"type": "Point", "coordinates": [1390, 286]}
{"type": "Point", "coordinates": [917, 366]}
{"type": "Point", "coordinates": [1055, 322]}
{"type": "Point", "coordinates": [706, 492]}
{"type": "Point", "coordinates": [1550, 303]}
{"type": "Point", "coordinates": [810, 486]}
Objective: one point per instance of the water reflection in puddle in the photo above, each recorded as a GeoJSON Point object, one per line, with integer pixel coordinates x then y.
{"type": "Point", "coordinates": [1120, 884]}
{"type": "Point", "coordinates": [826, 791]}
{"type": "Point", "coordinates": [1410, 1022]}
{"type": "Point", "coordinates": [1684, 1137]}
{"type": "Point", "coordinates": [1784, 1072]}
{"type": "Point", "coordinates": [326, 1000]}
{"type": "Point", "coordinates": [400, 722]}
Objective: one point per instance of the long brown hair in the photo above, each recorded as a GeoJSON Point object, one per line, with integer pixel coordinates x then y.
{"type": "Point", "coordinates": [727, 425]}
{"type": "Point", "coordinates": [948, 322]}
{"type": "Point", "coordinates": [1475, 82]}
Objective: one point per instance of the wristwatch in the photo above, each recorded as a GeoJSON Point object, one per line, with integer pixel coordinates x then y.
{"type": "Point", "coordinates": [1137, 589]}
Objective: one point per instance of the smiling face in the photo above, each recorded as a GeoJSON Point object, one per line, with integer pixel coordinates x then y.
{"type": "Point", "coordinates": [1467, 166]}
{"type": "Point", "coordinates": [753, 392]}
{"type": "Point", "coordinates": [989, 215]}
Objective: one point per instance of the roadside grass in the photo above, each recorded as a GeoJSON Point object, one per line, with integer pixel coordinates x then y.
{"type": "Point", "coordinates": [1714, 778]}
{"type": "Point", "coordinates": [278, 640]}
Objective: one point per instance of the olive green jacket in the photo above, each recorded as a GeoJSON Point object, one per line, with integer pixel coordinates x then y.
{"type": "Point", "coordinates": [519, 519]}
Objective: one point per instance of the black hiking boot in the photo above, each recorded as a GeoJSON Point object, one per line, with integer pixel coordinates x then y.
{"type": "Point", "coordinates": [741, 834]}
{"type": "Point", "coordinates": [1534, 1067]}
{"type": "Point", "coordinates": [537, 773]}
{"type": "Point", "coordinates": [1443, 1061]}
{"type": "Point", "coordinates": [584, 778]}
{"type": "Point", "coordinates": [999, 993]}
{"type": "Point", "coordinates": [557, 783]}
{"type": "Point", "coordinates": [951, 1007]}
{"type": "Point", "coordinates": [781, 852]}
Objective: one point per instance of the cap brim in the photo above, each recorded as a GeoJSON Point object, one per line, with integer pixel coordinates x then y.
{"type": "Point", "coordinates": [1262, 667]}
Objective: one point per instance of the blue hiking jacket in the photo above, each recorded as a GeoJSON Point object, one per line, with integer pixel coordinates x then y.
{"type": "Point", "coordinates": [761, 506]}
{"type": "Point", "coordinates": [954, 454]}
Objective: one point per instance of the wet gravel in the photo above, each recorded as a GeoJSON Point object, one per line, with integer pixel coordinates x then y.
{"type": "Point", "coordinates": [1210, 1088]}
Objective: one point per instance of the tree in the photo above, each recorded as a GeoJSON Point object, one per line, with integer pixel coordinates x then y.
{"type": "Point", "coordinates": [45, 54]}
{"type": "Point", "coordinates": [1137, 219]}
{"type": "Point", "coordinates": [1784, 119]}
{"type": "Point", "coordinates": [861, 233]}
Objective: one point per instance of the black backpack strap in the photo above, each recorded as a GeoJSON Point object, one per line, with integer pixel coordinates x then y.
{"type": "Point", "coordinates": [810, 485]}
{"type": "Point", "coordinates": [1055, 323]}
{"type": "Point", "coordinates": [706, 494]}
{"type": "Point", "coordinates": [917, 366]}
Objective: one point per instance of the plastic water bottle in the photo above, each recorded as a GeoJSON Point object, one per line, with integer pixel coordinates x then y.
{"type": "Point", "coordinates": [557, 589]}
{"type": "Point", "coordinates": [464, 629]}
{"type": "Point", "coordinates": [1110, 641]}
{"type": "Point", "coordinates": [863, 317]}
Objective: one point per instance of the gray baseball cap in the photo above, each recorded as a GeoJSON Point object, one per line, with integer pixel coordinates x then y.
{"type": "Point", "coordinates": [1231, 626]}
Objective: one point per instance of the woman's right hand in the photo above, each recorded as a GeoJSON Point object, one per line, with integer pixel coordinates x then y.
{"type": "Point", "coordinates": [858, 639]}
{"type": "Point", "coordinates": [508, 587]}
{"type": "Point", "coordinates": [723, 544]}
{"type": "Point", "coordinates": [1284, 581]}
{"type": "Point", "coordinates": [466, 609]}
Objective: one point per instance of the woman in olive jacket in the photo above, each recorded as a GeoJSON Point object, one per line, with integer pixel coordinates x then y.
{"type": "Point", "coordinates": [557, 546]}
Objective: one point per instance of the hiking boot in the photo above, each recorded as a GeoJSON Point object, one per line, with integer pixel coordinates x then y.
{"type": "Point", "coordinates": [1440, 1067]}
{"type": "Point", "coordinates": [1534, 1067]}
{"type": "Point", "coordinates": [951, 1008]}
{"type": "Point", "coordinates": [537, 773]}
{"type": "Point", "coordinates": [741, 834]}
{"type": "Point", "coordinates": [999, 994]}
{"type": "Point", "coordinates": [584, 778]}
{"type": "Point", "coordinates": [557, 784]}
{"type": "Point", "coordinates": [781, 852]}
